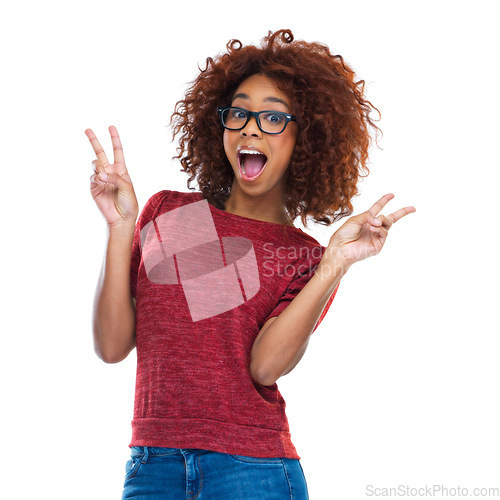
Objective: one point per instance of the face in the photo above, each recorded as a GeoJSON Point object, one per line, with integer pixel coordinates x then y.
{"type": "Point", "coordinates": [263, 173]}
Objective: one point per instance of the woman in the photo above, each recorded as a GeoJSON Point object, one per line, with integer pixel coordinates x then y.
{"type": "Point", "coordinates": [218, 290]}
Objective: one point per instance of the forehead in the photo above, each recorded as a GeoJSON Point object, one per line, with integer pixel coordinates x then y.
{"type": "Point", "coordinates": [260, 88]}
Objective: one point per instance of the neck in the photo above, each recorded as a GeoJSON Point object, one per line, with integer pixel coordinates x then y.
{"type": "Point", "coordinates": [266, 207]}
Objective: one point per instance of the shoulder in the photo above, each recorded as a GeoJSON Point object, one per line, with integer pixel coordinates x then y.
{"type": "Point", "coordinates": [311, 253]}
{"type": "Point", "coordinates": [167, 196]}
{"type": "Point", "coordinates": [306, 239]}
{"type": "Point", "coordinates": [170, 195]}
{"type": "Point", "coordinates": [310, 247]}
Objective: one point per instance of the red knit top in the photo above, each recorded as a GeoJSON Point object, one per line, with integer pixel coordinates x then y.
{"type": "Point", "coordinates": [205, 282]}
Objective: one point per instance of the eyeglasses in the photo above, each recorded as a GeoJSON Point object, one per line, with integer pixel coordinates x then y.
{"type": "Point", "coordinates": [269, 122]}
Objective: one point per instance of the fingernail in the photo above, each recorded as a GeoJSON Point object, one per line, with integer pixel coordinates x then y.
{"type": "Point", "coordinates": [103, 175]}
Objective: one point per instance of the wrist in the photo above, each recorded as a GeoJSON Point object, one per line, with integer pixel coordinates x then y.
{"type": "Point", "coordinates": [122, 228]}
{"type": "Point", "coordinates": [333, 263]}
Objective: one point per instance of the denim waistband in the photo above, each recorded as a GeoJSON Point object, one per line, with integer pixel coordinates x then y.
{"type": "Point", "coordinates": [139, 451]}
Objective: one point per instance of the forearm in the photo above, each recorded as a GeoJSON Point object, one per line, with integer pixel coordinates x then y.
{"type": "Point", "coordinates": [114, 312]}
{"type": "Point", "coordinates": [285, 340]}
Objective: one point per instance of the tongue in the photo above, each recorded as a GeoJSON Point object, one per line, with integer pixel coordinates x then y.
{"type": "Point", "coordinates": [254, 164]}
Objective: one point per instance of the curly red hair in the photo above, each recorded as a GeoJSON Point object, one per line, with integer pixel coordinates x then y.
{"type": "Point", "coordinates": [333, 139]}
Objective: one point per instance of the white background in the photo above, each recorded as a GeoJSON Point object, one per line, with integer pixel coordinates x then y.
{"type": "Point", "coordinates": [400, 383]}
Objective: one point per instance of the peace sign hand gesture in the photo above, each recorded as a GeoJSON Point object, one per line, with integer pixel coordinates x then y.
{"type": "Point", "coordinates": [364, 235]}
{"type": "Point", "coordinates": [110, 185]}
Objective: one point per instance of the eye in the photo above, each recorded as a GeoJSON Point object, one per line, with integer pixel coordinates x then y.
{"type": "Point", "coordinates": [274, 118]}
{"type": "Point", "coordinates": [238, 114]}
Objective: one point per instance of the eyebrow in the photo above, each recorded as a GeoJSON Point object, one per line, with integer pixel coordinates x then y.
{"type": "Point", "coordinates": [267, 99]}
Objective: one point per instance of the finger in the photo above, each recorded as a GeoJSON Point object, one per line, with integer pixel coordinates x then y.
{"type": "Point", "coordinates": [117, 145]}
{"type": "Point", "coordinates": [398, 214]}
{"type": "Point", "coordinates": [114, 179]}
{"type": "Point", "coordinates": [98, 170]}
{"type": "Point", "coordinates": [365, 218]}
{"type": "Point", "coordinates": [100, 175]}
{"type": "Point", "coordinates": [380, 204]}
{"type": "Point", "coordinates": [94, 179]}
{"type": "Point", "coordinates": [96, 166]}
{"type": "Point", "coordinates": [380, 231]}
{"type": "Point", "coordinates": [386, 222]}
{"type": "Point", "coordinates": [98, 150]}
{"type": "Point", "coordinates": [97, 178]}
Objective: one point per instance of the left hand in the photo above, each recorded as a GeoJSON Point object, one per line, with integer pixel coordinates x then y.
{"type": "Point", "coordinates": [364, 235]}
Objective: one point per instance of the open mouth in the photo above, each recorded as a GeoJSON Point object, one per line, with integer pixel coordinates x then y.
{"type": "Point", "coordinates": [252, 163]}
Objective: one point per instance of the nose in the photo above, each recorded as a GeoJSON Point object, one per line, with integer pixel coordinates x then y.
{"type": "Point", "coordinates": [251, 128]}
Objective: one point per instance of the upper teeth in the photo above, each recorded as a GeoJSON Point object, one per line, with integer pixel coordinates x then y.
{"type": "Point", "coordinates": [249, 152]}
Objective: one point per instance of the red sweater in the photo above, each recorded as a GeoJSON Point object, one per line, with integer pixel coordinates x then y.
{"type": "Point", "coordinates": [205, 282]}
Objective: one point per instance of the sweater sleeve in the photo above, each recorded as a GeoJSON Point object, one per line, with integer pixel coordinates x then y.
{"type": "Point", "coordinates": [305, 273]}
{"type": "Point", "coordinates": [145, 216]}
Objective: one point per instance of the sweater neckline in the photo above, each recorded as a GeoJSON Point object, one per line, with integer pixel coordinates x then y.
{"type": "Point", "coordinates": [242, 217]}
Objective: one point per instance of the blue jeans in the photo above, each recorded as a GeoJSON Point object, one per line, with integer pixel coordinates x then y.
{"type": "Point", "coordinates": [193, 474]}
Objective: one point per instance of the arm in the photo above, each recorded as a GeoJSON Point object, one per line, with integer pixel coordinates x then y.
{"type": "Point", "coordinates": [114, 307]}
{"type": "Point", "coordinates": [113, 312]}
{"type": "Point", "coordinates": [283, 340]}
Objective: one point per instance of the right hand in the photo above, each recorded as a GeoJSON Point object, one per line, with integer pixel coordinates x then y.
{"type": "Point", "coordinates": [115, 196]}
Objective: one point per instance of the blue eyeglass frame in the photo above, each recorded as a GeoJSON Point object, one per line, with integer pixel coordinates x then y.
{"type": "Point", "coordinates": [256, 114]}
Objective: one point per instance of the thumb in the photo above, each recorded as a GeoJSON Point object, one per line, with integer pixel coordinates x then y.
{"type": "Point", "coordinates": [368, 217]}
{"type": "Point", "coordinates": [115, 179]}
